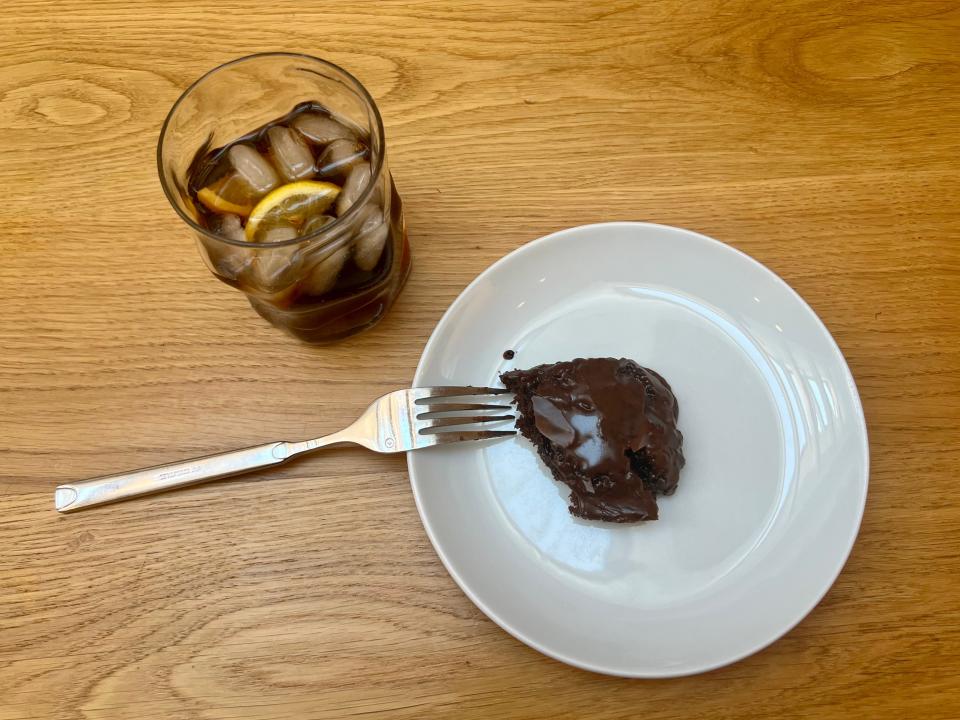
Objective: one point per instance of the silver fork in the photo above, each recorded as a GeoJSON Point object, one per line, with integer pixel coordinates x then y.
{"type": "Point", "coordinates": [397, 422]}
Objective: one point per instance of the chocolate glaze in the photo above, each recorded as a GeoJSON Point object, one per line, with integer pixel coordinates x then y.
{"type": "Point", "coordinates": [607, 428]}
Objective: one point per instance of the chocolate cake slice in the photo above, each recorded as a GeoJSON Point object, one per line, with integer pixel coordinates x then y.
{"type": "Point", "coordinates": [607, 428]}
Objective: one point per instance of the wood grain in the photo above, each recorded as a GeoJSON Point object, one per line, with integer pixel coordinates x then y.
{"type": "Point", "coordinates": [820, 137]}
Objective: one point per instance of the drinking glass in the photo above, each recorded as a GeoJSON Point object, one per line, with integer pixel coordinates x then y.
{"type": "Point", "coordinates": [302, 285]}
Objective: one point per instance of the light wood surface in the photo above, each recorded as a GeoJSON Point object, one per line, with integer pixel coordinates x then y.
{"type": "Point", "coordinates": [820, 137]}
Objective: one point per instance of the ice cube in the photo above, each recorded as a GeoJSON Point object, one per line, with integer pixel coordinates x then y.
{"type": "Point", "coordinates": [321, 129]}
{"type": "Point", "coordinates": [253, 169]}
{"type": "Point", "coordinates": [228, 226]}
{"type": "Point", "coordinates": [290, 154]}
{"type": "Point", "coordinates": [279, 233]}
{"type": "Point", "coordinates": [324, 275]}
{"type": "Point", "coordinates": [356, 181]}
{"type": "Point", "coordinates": [228, 261]}
{"type": "Point", "coordinates": [275, 269]}
{"type": "Point", "coordinates": [339, 157]}
{"type": "Point", "coordinates": [314, 223]}
{"type": "Point", "coordinates": [371, 237]}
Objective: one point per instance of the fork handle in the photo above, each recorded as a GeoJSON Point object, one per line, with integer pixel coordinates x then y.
{"type": "Point", "coordinates": [111, 488]}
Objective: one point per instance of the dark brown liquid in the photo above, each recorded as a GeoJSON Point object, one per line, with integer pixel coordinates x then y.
{"type": "Point", "coordinates": [358, 299]}
{"type": "Point", "coordinates": [203, 170]}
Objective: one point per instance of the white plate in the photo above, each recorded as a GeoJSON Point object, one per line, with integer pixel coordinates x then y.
{"type": "Point", "coordinates": [769, 502]}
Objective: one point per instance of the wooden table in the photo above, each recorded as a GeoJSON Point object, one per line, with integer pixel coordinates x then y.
{"type": "Point", "coordinates": [821, 138]}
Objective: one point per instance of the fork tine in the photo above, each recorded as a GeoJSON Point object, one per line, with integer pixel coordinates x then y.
{"type": "Point", "coordinates": [430, 427]}
{"type": "Point", "coordinates": [432, 411]}
{"type": "Point", "coordinates": [452, 437]}
{"type": "Point", "coordinates": [421, 395]}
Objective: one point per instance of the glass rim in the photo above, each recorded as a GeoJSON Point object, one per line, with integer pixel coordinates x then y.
{"type": "Point", "coordinates": [376, 165]}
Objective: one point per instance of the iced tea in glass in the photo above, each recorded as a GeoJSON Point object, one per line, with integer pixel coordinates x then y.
{"type": "Point", "coordinates": [277, 161]}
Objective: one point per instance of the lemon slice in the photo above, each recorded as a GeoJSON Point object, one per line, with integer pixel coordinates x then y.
{"type": "Point", "coordinates": [291, 204]}
{"type": "Point", "coordinates": [209, 197]}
